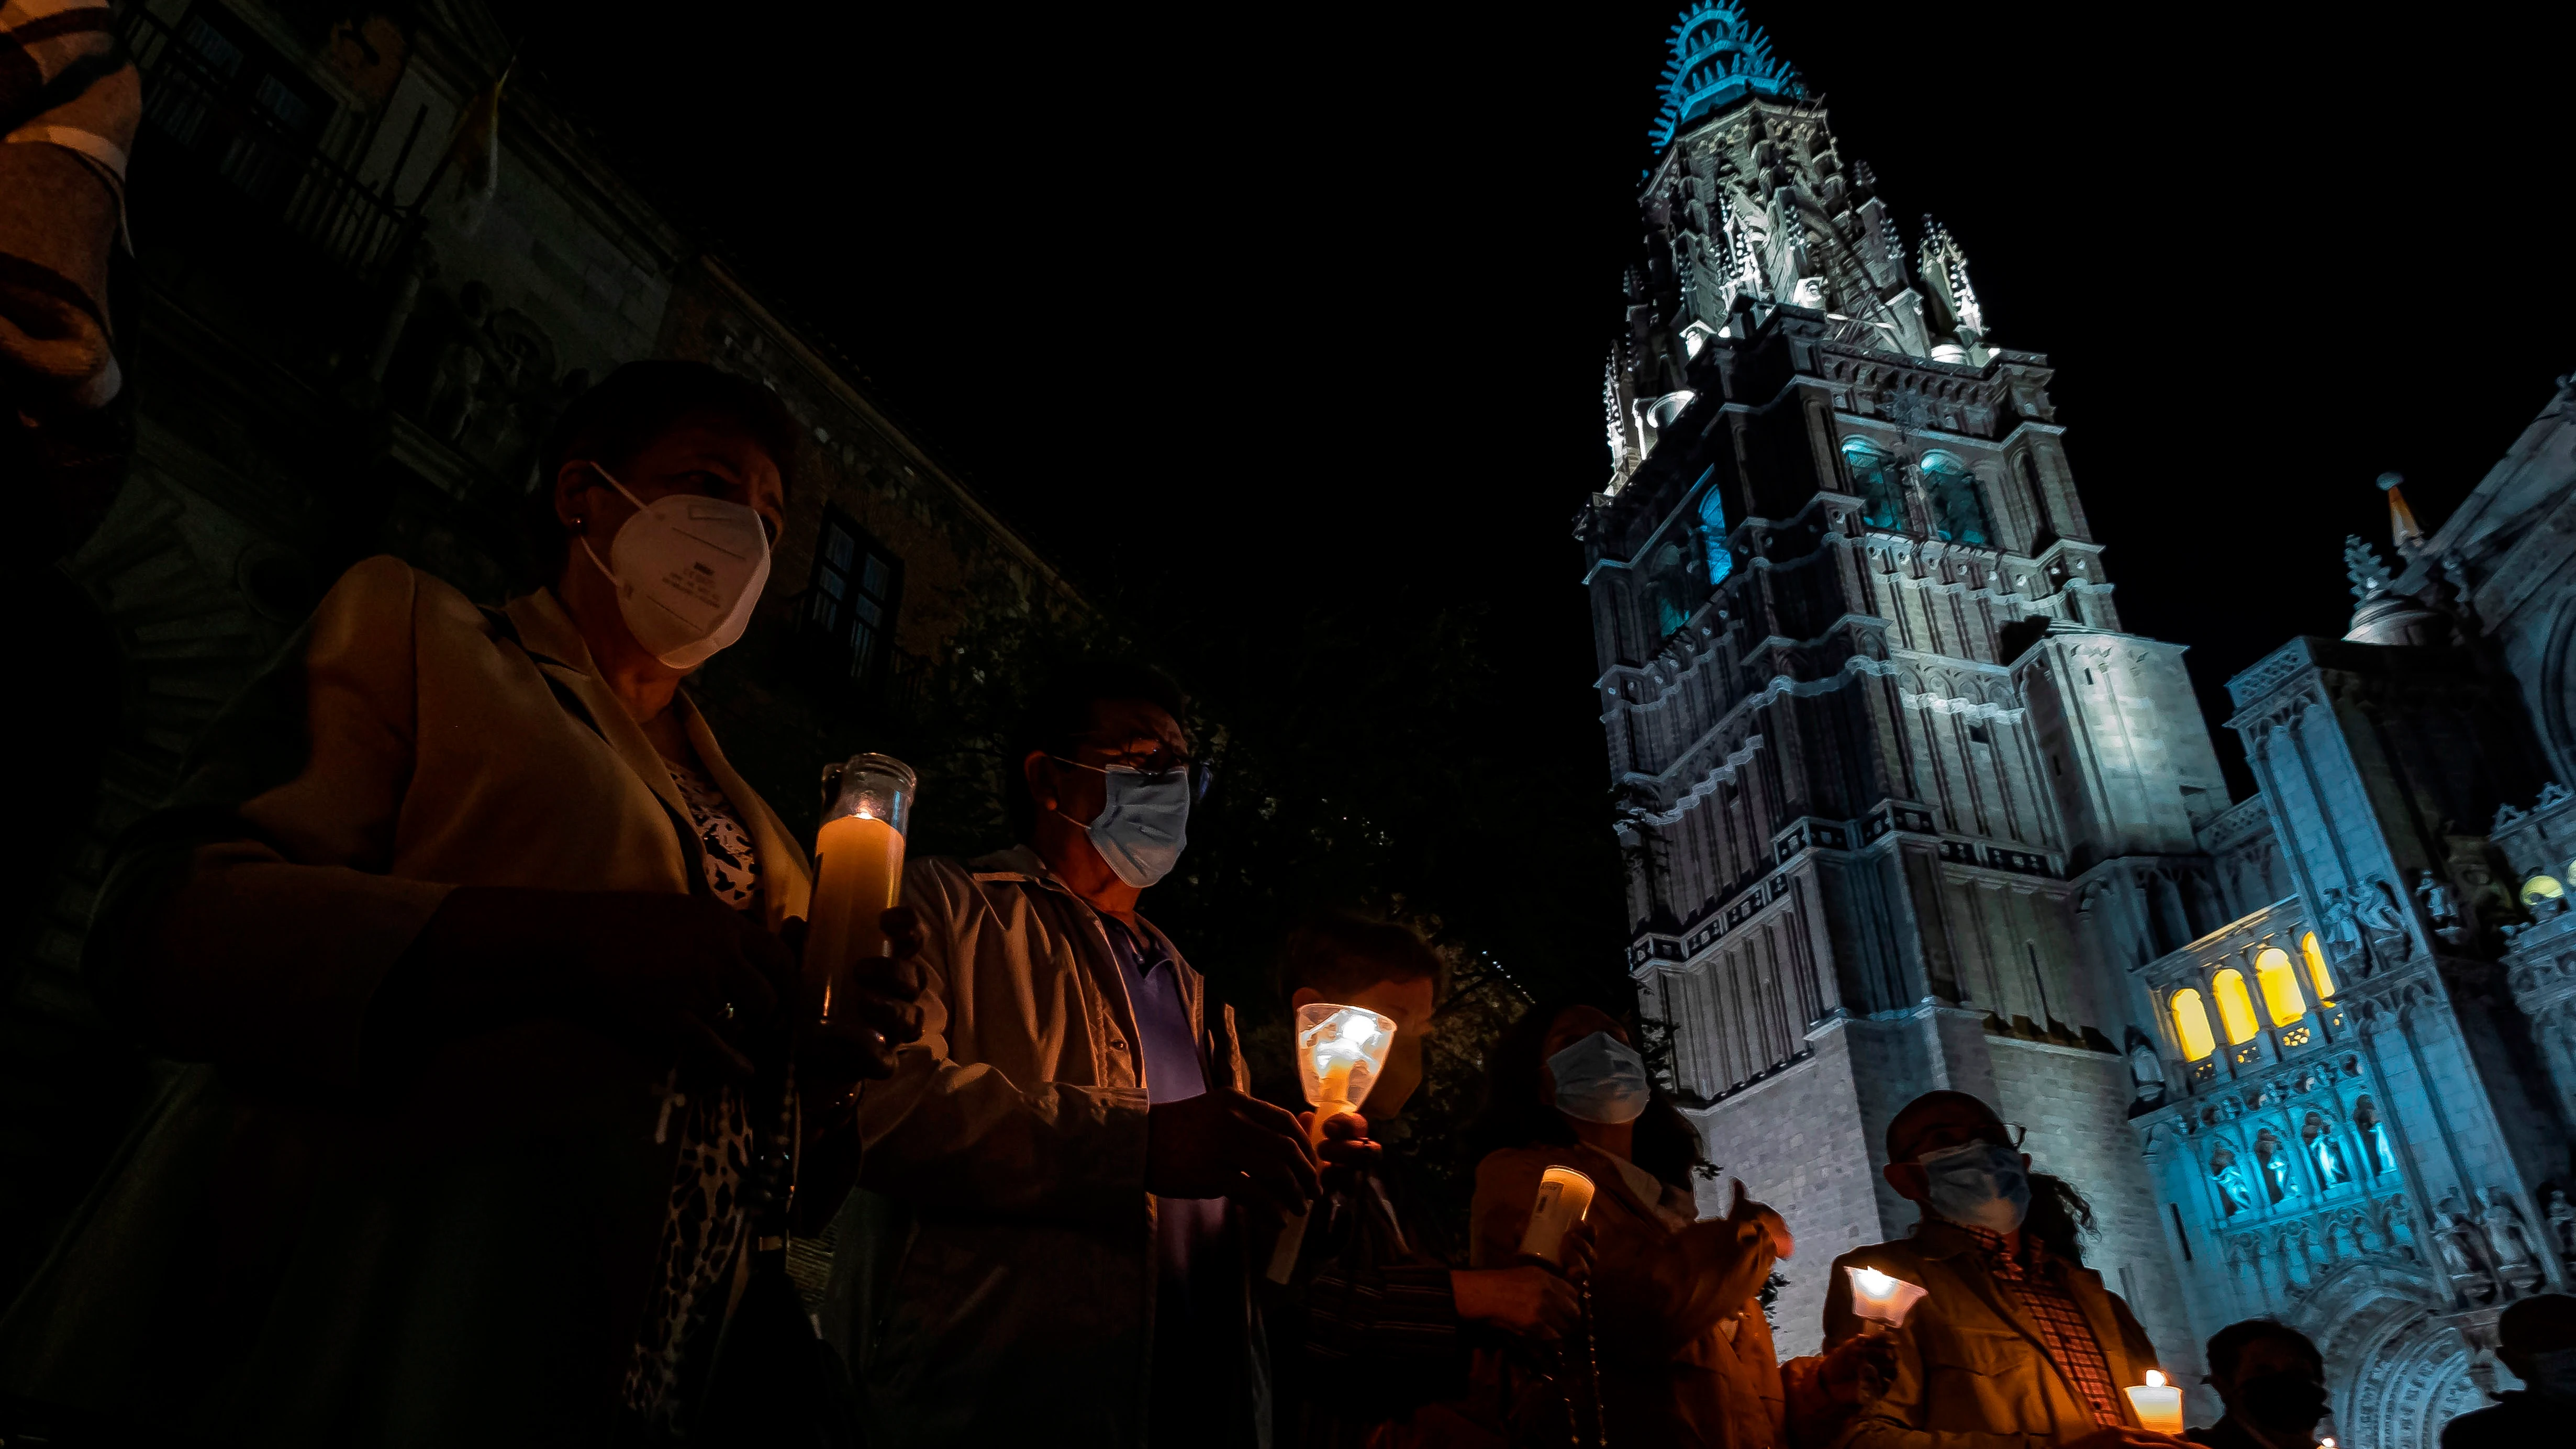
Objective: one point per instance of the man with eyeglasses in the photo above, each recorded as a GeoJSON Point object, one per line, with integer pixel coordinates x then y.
{"type": "Point", "coordinates": [1046, 1244]}
{"type": "Point", "coordinates": [2013, 1345]}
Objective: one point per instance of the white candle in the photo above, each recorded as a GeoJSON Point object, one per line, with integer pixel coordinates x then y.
{"type": "Point", "coordinates": [2159, 1407]}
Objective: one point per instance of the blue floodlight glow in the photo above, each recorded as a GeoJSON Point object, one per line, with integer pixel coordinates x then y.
{"type": "Point", "coordinates": [1718, 57]}
{"type": "Point", "coordinates": [1712, 532]}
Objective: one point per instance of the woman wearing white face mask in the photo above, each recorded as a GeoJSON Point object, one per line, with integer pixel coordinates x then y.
{"type": "Point", "coordinates": [475, 934]}
{"type": "Point", "coordinates": [1684, 1352]}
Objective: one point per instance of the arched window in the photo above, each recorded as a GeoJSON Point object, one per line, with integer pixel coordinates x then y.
{"type": "Point", "coordinates": [2235, 1007]}
{"type": "Point", "coordinates": [1882, 505]}
{"type": "Point", "coordinates": [2282, 999]}
{"type": "Point", "coordinates": [1712, 534]}
{"type": "Point", "coordinates": [2038, 497]}
{"type": "Point", "coordinates": [1958, 505]}
{"type": "Point", "coordinates": [2318, 976]}
{"type": "Point", "coordinates": [2541, 889]}
{"type": "Point", "coordinates": [1668, 588]}
{"type": "Point", "coordinates": [2191, 1025]}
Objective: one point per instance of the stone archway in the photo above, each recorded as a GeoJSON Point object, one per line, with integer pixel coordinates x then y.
{"type": "Point", "coordinates": [2397, 1370]}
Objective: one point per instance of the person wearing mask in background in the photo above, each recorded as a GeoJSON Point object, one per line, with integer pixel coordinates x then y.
{"type": "Point", "coordinates": [1374, 1340]}
{"type": "Point", "coordinates": [2012, 1345]}
{"type": "Point", "coordinates": [2536, 1340]}
{"type": "Point", "coordinates": [474, 931]}
{"type": "Point", "coordinates": [2273, 1382]}
{"type": "Point", "coordinates": [1041, 1249]}
{"type": "Point", "coordinates": [1677, 1335]}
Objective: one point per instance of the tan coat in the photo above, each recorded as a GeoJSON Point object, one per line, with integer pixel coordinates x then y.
{"type": "Point", "coordinates": [1970, 1369]}
{"type": "Point", "coordinates": [1686, 1355]}
{"type": "Point", "coordinates": [994, 1280]}
{"type": "Point", "coordinates": [285, 1255]}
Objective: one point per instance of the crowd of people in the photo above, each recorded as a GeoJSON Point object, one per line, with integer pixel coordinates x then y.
{"type": "Point", "coordinates": [509, 1101]}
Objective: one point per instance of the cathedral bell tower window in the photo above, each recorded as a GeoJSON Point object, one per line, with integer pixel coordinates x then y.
{"type": "Point", "coordinates": [1874, 479]}
{"type": "Point", "coordinates": [2318, 975]}
{"type": "Point", "coordinates": [1958, 504]}
{"type": "Point", "coordinates": [2235, 1006]}
{"type": "Point", "coordinates": [2280, 985]}
{"type": "Point", "coordinates": [2191, 1025]}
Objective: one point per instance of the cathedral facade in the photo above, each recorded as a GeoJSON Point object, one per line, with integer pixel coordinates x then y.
{"type": "Point", "coordinates": [1907, 807]}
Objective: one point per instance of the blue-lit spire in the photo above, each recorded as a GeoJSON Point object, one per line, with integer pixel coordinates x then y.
{"type": "Point", "coordinates": [1718, 56]}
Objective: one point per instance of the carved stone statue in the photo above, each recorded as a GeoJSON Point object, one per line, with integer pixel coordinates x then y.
{"type": "Point", "coordinates": [2435, 898]}
{"type": "Point", "coordinates": [2516, 1261]}
{"type": "Point", "coordinates": [2383, 926]}
{"type": "Point", "coordinates": [2343, 932]}
{"type": "Point", "coordinates": [2329, 1158]}
{"type": "Point", "coordinates": [2463, 1246]}
{"type": "Point", "coordinates": [2234, 1192]}
{"type": "Point", "coordinates": [2278, 1179]}
{"type": "Point", "coordinates": [2146, 1073]}
{"type": "Point", "coordinates": [2562, 1224]}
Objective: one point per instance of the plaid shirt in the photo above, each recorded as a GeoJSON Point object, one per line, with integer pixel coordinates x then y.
{"type": "Point", "coordinates": [2038, 1282]}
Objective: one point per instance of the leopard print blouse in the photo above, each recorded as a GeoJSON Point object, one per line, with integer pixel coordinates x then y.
{"type": "Point", "coordinates": [704, 1229]}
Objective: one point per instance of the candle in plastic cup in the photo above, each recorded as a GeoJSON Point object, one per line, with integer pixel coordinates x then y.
{"type": "Point", "coordinates": [858, 869]}
{"type": "Point", "coordinates": [1564, 1198]}
{"type": "Point", "coordinates": [2159, 1406]}
{"type": "Point", "coordinates": [1881, 1296]}
{"type": "Point", "coordinates": [1340, 1050]}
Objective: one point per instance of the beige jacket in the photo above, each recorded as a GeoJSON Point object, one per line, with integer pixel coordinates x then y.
{"type": "Point", "coordinates": [1970, 1369]}
{"type": "Point", "coordinates": [286, 1255]}
{"type": "Point", "coordinates": [1685, 1354]}
{"type": "Point", "coordinates": [994, 1280]}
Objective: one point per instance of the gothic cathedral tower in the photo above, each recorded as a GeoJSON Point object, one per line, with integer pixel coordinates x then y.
{"type": "Point", "coordinates": [1904, 803]}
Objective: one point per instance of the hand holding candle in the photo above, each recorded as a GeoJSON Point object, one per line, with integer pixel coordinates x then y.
{"type": "Point", "coordinates": [2158, 1405]}
{"type": "Point", "coordinates": [1564, 1200]}
{"type": "Point", "coordinates": [858, 879]}
{"type": "Point", "coordinates": [1340, 1050]}
{"type": "Point", "coordinates": [1881, 1297]}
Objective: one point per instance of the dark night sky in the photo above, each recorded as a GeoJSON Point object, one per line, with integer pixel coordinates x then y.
{"type": "Point", "coordinates": [1237, 308]}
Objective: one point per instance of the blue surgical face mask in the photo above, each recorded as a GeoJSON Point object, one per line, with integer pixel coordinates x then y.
{"type": "Point", "coordinates": [1978, 1185]}
{"type": "Point", "coordinates": [1601, 1079]}
{"type": "Point", "coordinates": [1143, 825]}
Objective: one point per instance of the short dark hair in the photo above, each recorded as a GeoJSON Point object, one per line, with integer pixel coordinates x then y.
{"type": "Point", "coordinates": [1061, 711]}
{"type": "Point", "coordinates": [1336, 952]}
{"type": "Point", "coordinates": [1901, 1127]}
{"type": "Point", "coordinates": [624, 414]}
{"type": "Point", "coordinates": [2227, 1346]}
{"type": "Point", "coordinates": [2538, 1324]}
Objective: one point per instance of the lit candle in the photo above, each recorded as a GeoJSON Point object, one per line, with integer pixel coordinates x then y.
{"type": "Point", "coordinates": [1883, 1297]}
{"type": "Point", "coordinates": [858, 873]}
{"type": "Point", "coordinates": [1564, 1198]}
{"type": "Point", "coordinates": [2159, 1407]}
{"type": "Point", "coordinates": [1340, 1050]}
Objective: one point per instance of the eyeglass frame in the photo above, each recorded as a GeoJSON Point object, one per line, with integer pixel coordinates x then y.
{"type": "Point", "coordinates": [1201, 773]}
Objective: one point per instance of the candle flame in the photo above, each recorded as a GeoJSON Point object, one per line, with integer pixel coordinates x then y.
{"type": "Point", "coordinates": [2155, 1380]}
{"type": "Point", "coordinates": [1875, 1283]}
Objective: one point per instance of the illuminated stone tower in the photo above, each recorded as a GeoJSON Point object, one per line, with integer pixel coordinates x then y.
{"type": "Point", "coordinates": [1907, 808]}
{"type": "Point", "coordinates": [1902, 798]}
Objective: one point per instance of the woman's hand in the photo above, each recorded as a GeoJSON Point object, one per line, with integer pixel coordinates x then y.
{"type": "Point", "coordinates": [1746, 1213]}
{"type": "Point", "coordinates": [1530, 1300]}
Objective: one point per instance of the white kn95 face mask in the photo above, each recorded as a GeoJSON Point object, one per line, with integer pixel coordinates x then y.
{"type": "Point", "coordinates": [688, 570]}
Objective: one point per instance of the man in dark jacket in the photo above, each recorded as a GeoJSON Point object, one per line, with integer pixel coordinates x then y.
{"type": "Point", "coordinates": [2536, 1339]}
{"type": "Point", "coordinates": [2273, 1382]}
{"type": "Point", "coordinates": [1376, 1326]}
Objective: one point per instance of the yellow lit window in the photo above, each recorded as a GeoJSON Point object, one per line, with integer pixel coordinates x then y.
{"type": "Point", "coordinates": [2191, 1025]}
{"type": "Point", "coordinates": [2280, 983]}
{"type": "Point", "coordinates": [2542, 888]}
{"type": "Point", "coordinates": [2318, 976]}
{"type": "Point", "coordinates": [2235, 1007]}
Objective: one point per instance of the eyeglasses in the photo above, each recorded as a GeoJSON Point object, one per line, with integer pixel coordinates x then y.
{"type": "Point", "coordinates": [1155, 765]}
